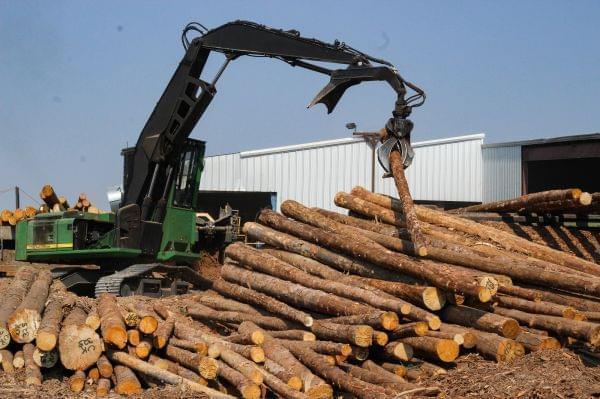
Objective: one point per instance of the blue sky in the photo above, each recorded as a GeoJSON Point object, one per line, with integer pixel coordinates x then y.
{"type": "Point", "coordinates": [78, 79]}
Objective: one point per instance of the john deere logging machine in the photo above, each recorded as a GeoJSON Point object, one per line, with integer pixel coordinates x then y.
{"type": "Point", "coordinates": [147, 245]}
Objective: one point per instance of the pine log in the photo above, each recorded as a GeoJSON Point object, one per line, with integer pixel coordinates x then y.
{"type": "Point", "coordinates": [105, 368]}
{"type": "Point", "coordinates": [218, 302]}
{"type": "Point", "coordinates": [583, 330]}
{"type": "Point", "coordinates": [283, 374]}
{"type": "Point", "coordinates": [126, 381]}
{"type": "Point", "coordinates": [47, 334]}
{"type": "Point", "coordinates": [436, 273]}
{"type": "Point", "coordinates": [397, 350]}
{"type": "Point", "coordinates": [103, 387]}
{"type": "Point", "coordinates": [298, 335]}
{"type": "Point", "coordinates": [393, 368]}
{"type": "Point", "coordinates": [79, 346]}
{"type": "Point", "coordinates": [77, 381]}
{"type": "Point", "coordinates": [533, 294]}
{"type": "Point", "coordinates": [240, 363]}
{"type": "Point", "coordinates": [24, 322]}
{"type": "Point", "coordinates": [93, 319]}
{"type": "Point", "coordinates": [322, 347]}
{"type": "Point", "coordinates": [481, 320]}
{"type": "Point", "coordinates": [33, 375]}
{"type": "Point", "coordinates": [45, 359]}
{"type": "Point", "coordinates": [525, 202]}
{"type": "Point", "coordinates": [279, 386]}
{"type": "Point", "coordinates": [408, 209]}
{"type": "Point", "coordinates": [430, 297]}
{"type": "Point", "coordinates": [112, 324]}
{"type": "Point", "coordinates": [458, 338]}
{"type": "Point", "coordinates": [7, 361]}
{"type": "Point", "coordinates": [433, 348]}
{"type": "Point", "coordinates": [359, 335]}
{"type": "Point", "coordinates": [93, 375]}
{"type": "Point", "coordinates": [163, 333]}
{"type": "Point", "coordinates": [506, 240]}
{"type": "Point", "coordinates": [19, 360]}
{"type": "Point", "coordinates": [176, 368]}
{"type": "Point", "coordinates": [389, 381]}
{"type": "Point", "coordinates": [389, 375]}
{"type": "Point", "coordinates": [143, 349]}
{"type": "Point", "coordinates": [166, 376]}
{"type": "Point", "coordinates": [294, 294]}
{"type": "Point", "coordinates": [196, 346]}
{"type": "Point", "coordinates": [48, 195]}
{"type": "Point", "coordinates": [413, 329]}
{"type": "Point", "coordinates": [265, 263]}
{"type": "Point", "coordinates": [12, 298]}
{"type": "Point", "coordinates": [253, 297]}
{"type": "Point", "coordinates": [469, 337]}
{"type": "Point", "coordinates": [340, 379]}
{"type": "Point", "coordinates": [206, 367]}
{"type": "Point", "coordinates": [539, 307]}
{"type": "Point", "coordinates": [201, 312]}
{"type": "Point", "coordinates": [498, 348]}
{"type": "Point", "coordinates": [148, 320]}
{"type": "Point", "coordinates": [250, 352]}
{"type": "Point", "coordinates": [368, 225]}
{"type": "Point", "coordinates": [535, 342]}
{"type": "Point", "coordinates": [133, 337]}
{"type": "Point", "coordinates": [244, 386]}
{"type": "Point", "coordinates": [382, 320]}
{"type": "Point", "coordinates": [131, 319]}
{"type": "Point", "coordinates": [313, 386]}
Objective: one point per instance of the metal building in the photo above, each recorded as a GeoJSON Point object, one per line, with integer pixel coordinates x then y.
{"type": "Point", "coordinates": [443, 170]}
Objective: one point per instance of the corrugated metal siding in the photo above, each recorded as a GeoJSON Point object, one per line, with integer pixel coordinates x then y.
{"type": "Point", "coordinates": [501, 172]}
{"type": "Point", "coordinates": [312, 174]}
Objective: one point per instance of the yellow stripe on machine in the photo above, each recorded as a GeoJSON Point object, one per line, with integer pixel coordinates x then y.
{"type": "Point", "coordinates": [50, 246]}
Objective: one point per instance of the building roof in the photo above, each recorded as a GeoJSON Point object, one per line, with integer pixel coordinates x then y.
{"type": "Point", "coordinates": [561, 139]}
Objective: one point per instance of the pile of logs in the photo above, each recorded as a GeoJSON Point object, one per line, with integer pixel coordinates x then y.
{"type": "Point", "coordinates": [51, 203]}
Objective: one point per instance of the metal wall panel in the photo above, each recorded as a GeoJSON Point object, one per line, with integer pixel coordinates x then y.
{"type": "Point", "coordinates": [501, 172]}
{"type": "Point", "coordinates": [446, 169]}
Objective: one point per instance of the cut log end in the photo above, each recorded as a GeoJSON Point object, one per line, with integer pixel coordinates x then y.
{"type": "Point", "coordinates": [257, 354]}
{"type": "Point", "coordinates": [117, 336]}
{"type": "Point", "coordinates": [421, 251]}
{"type": "Point", "coordinates": [308, 336]}
{"type": "Point", "coordinates": [422, 327]}
{"type": "Point", "coordinates": [321, 391]}
{"type": "Point", "coordinates": [434, 323]}
{"type": "Point", "coordinates": [4, 337]}
{"type": "Point", "coordinates": [447, 350]}
{"type": "Point", "coordinates": [208, 368]}
{"type": "Point", "coordinates": [363, 336]}
{"type": "Point", "coordinates": [585, 199]}
{"type": "Point", "coordinates": [403, 351]}
{"type": "Point", "coordinates": [103, 387]}
{"type": "Point", "coordinates": [433, 298]}
{"type": "Point", "coordinates": [77, 381]}
{"type": "Point", "coordinates": [148, 324]}
{"type": "Point", "coordinates": [380, 338]}
{"type": "Point", "coordinates": [389, 320]}
{"type": "Point", "coordinates": [257, 337]}
{"type": "Point", "coordinates": [308, 321]}
{"type": "Point", "coordinates": [510, 329]}
{"type": "Point", "coordinates": [45, 340]}
{"type": "Point", "coordinates": [295, 383]}
{"type": "Point", "coordinates": [250, 391]}
{"type": "Point", "coordinates": [23, 325]}
{"type": "Point", "coordinates": [484, 295]}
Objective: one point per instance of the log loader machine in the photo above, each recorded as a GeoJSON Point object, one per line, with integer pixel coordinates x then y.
{"type": "Point", "coordinates": [148, 244]}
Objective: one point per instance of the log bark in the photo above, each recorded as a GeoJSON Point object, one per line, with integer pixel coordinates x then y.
{"type": "Point", "coordinates": [244, 386]}
{"type": "Point", "coordinates": [196, 345]}
{"type": "Point", "coordinates": [583, 330]}
{"type": "Point", "coordinates": [112, 324]}
{"type": "Point", "coordinates": [506, 240]}
{"type": "Point", "coordinates": [271, 304]}
{"type": "Point", "coordinates": [298, 335]}
{"type": "Point", "coordinates": [444, 350]}
{"type": "Point", "coordinates": [164, 375]}
{"type": "Point", "coordinates": [294, 294]}
{"type": "Point", "coordinates": [47, 334]}
{"type": "Point", "coordinates": [469, 337]}
{"type": "Point", "coordinates": [286, 376]}
{"type": "Point", "coordinates": [431, 298]}
{"type": "Point", "coordinates": [322, 347]}
{"type": "Point", "coordinates": [436, 273]}
{"type": "Point", "coordinates": [48, 195]}
{"type": "Point", "coordinates": [201, 312]}
{"type": "Point", "coordinates": [526, 202]}
{"type": "Point", "coordinates": [205, 366]}
{"type": "Point", "coordinates": [413, 329]}
{"type": "Point", "coordinates": [481, 320]}
{"type": "Point", "coordinates": [79, 346]}
{"type": "Point", "coordinates": [24, 322]}
{"type": "Point", "coordinates": [359, 335]}
{"type": "Point", "coordinates": [533, 294]}
{"type": "Point", "coordinates": [12, 298]}
{"type": "Point", "coordinates": [33, 375]}
{"type": "Point", "coordinates": [368, 225]}
{"type": "Point", "coordinates": [539, 307]}
{"type": "Point", "coordinates": [265, 263]}
{"type": "Point", "coordinates": [312, 385]}
{"type": "Point", "coordinates": [382, 320]}
{"type": "Point", "coordinates": [240, 363]}
{"type": "Point", "coordinates": [176, 368]}
{"type": "Point", "coordinates": [217, 302]}
{"type": "Point", "coordinates": [408, 209]}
